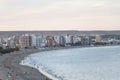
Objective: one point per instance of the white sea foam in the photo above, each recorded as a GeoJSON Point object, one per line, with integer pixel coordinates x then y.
{"type": "Point", "coordinates": [101, 63]}
{"type": "Point", "coordinates": [40, 69]}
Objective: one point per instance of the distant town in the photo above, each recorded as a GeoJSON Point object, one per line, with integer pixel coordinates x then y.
{"type": "Point", "coordinates": [15, 46]}
{"type": "Point", "coordinates": [33, 40]}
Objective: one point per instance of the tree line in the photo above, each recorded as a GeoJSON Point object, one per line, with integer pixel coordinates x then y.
{"type": "Point", "coordinates": [8, 50]}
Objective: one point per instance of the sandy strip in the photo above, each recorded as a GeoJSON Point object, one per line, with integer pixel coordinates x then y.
{"type": "Point", "coordinates": [11, 70]}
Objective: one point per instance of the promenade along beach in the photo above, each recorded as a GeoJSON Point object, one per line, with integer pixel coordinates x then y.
{"type": "Point", "coordinates": [90, 63]}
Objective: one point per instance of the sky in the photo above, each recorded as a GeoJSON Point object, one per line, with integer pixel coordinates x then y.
{"type": "Point", "coordinates": [59, 15]}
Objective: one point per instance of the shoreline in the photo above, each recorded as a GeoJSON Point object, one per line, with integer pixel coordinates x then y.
{"type": "Point", "coordinates": [10, 68]}
{"type": "Point", "coordinates": [51, 77]}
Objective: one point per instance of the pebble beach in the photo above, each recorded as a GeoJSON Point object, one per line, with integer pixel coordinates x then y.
{"type": "Point", "coordinates": [10, 68]}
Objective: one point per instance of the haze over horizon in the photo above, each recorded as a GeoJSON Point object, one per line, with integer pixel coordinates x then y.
{"type": "Point", "coordinates": [59, 15]}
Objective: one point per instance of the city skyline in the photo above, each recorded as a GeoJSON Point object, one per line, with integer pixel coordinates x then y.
{"type": "Point", "coordinates": [59, 15]}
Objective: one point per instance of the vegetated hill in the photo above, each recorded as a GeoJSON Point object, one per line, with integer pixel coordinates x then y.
{"type": "Point", "coordinates": [87, 33]}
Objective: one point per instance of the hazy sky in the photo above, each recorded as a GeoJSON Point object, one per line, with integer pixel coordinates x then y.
{"type": "Point", "coordinates": [59, 14]}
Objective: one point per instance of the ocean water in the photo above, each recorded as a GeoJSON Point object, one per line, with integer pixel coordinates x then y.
{"type": "Point", "coordinates": [96, 63]}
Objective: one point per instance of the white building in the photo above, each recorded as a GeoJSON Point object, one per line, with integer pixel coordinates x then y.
{"type": "Point", "coordinates": [44, 43]}
{"type": "Point", "coordinates": [10, 42]}
{"type": "Point", "coordinates": [1, 42]}
{"type": "Point", "coordinates": [38, 41]}
{"type": "Point", "coordinates": [57, 40]}
{"type": "Point", "coordinates": [62, 41]}
{"type": "Point", "coordinates": [113, 41]}
{"type": "Point", "coordinates": [41, 41]}
{"type": "Point", "coordinates": [4, 43]}
{"type": "Point", "coordinates": [68, 39]}
{"type": "Point", "coordinates": [33, 40]}
{"type": "Point", "coordinates": [76, 39]}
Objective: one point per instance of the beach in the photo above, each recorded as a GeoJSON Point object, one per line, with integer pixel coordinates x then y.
{"type": "Point", "coordinates": [10, 69]}
{"type": "Point", "coordinates": [95, 63]}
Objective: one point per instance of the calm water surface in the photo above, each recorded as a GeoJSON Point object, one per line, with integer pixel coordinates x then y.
{"type": "Point", "coordinates": [96, 63]}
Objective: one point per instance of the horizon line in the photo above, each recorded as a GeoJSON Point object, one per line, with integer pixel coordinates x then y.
{"type": "Point", "coordinates": [54, 30]}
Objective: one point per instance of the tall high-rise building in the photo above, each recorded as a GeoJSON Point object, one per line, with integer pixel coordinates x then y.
{"type": "Point", "coordinates": [41, 41]}
{"type": "Point", "coordinates": [33, 40]}
{"type": "Point", "coordinates": [25, 41]}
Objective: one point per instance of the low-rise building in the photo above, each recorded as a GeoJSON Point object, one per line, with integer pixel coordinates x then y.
{"type": "Point", "coordinates": [85, 40]}
{"type": "Point", "coordinates": [68, 39]}
{"type": "Point", "coordinates": [98, 38]}
{"type": "Point", "coordinates": [50, 41]}
{"type": "Point", "coordinates": [76, 39]}
{"type": "Point", "coordinates": [10, 42]}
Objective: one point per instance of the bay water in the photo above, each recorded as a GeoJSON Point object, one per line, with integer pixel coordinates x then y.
{"type": "Point", "coordinates": [94, 63]}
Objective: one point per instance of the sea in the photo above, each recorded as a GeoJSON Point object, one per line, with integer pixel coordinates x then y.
{"type": "Point", "coordinates": [91, 63]}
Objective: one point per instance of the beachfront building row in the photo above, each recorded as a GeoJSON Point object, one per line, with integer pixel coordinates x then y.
{"type": "Point", "coordinates": [31, 40]}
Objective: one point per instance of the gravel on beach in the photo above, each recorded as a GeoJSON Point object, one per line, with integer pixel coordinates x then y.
{"type": "Point", "coordinates": [10, 69]}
